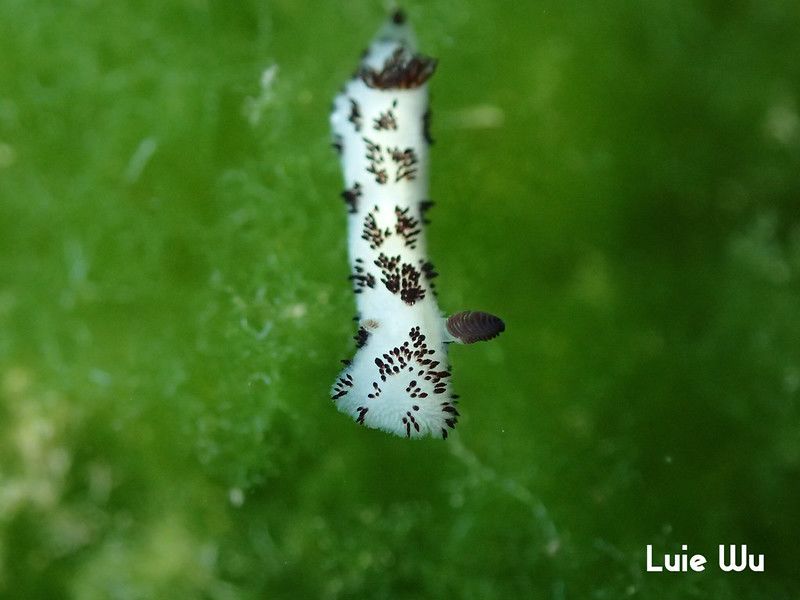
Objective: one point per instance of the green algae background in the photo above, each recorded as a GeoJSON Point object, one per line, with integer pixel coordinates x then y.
{"type": "Point", "coordinates": [620, 181]}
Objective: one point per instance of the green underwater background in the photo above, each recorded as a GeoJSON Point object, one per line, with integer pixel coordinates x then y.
{"type": "Point", "coordinates": [619, 181]}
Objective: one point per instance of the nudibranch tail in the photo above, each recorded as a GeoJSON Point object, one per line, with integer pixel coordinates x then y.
{"type": "Point", "coordinates": [399, 378]}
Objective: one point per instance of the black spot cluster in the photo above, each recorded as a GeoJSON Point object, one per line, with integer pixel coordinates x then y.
{"type": "Point", "coordinates": [342, 386]}
{"type": "Point", "coordinates": [406, 226]}
{"type": "Point", "coordinates": [372, 233]}
{"type": "Point", "coordinates": [406, 161]}
{"type": "Point", "coordinates": [355, 115]}
{"type": "Point", "coordinates": [351, 198]}
{"type": "Point", "coordinates": [375, 159]}
{"type": "Point", "coordinates": [361, 278]}
{"type": "Point", "coordinates": [400, 278]}
{"type": "Point", "coordinates": [387, 120]}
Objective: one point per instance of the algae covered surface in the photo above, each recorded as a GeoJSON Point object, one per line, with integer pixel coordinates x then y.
{"type": "Point", "coordinates": [619, 181]}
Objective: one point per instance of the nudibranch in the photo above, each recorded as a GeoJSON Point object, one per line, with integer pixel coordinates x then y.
{"type": "Point", "coordinates": [399, 378]}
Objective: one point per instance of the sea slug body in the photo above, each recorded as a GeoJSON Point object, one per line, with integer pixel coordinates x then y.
{"type": "Point", "coordinates": [399, 378]}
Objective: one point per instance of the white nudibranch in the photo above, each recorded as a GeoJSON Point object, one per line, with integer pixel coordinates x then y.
{"type": "Point", "coordinates": [399, 379]}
